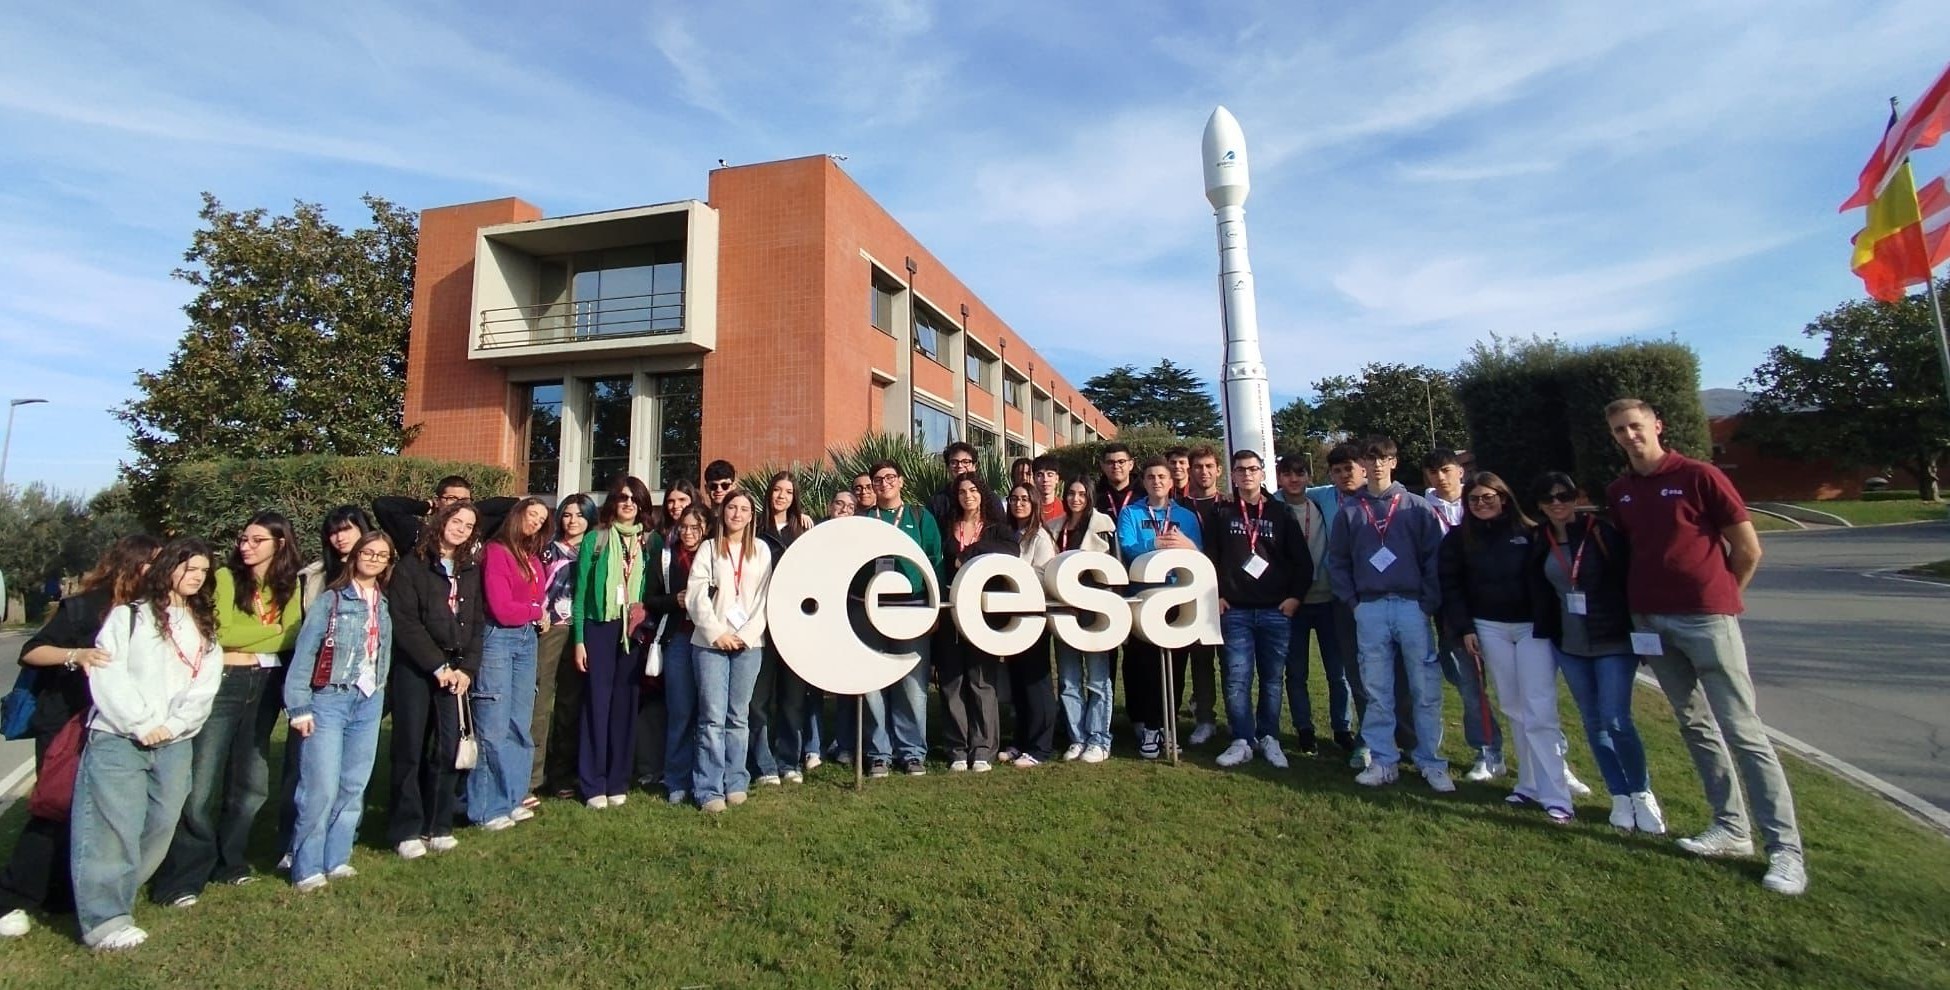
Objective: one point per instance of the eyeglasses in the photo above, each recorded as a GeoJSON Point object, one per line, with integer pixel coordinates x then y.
{"type": "Point", "coordinates": [1565, 498]}
{"type": "Point", "coordinates": [622, 497]}
{"type": "Point", "coordinates": [1117, 462]}
{"type": "Point", "coordinates": [723, 486]}
{"type": "Point", "coordinates": [446, 499]}
{"type": "Point", "coordinates": [1490, 499]}
{"type": "Point", "coordinates": [253, 541]}
{"type": "Point", "coordinates": [690, 528]}
{"type": "Point", "coordinates": [883, 480]}
{"type": "Point", "coordinates": [962, 462]}
{"type": "Point", "coordinates": [1247, 468]}
{"type": "Point", "coordinates": [1024, 499]}
{"type": "Point", "coordinates": [376, 556]}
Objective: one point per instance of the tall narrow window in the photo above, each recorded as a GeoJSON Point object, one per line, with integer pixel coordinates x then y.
{"type": "Point", "coordinates": [930, 334]}
{"type": "Point", "coordinates": [680, 408]}
{"type": "Point", "coordinates": [609, 429]}
{"type": "Point", "coordinates": [880, 305]}
{"type": "Point", "coordinates": [934, 428]}
{"type": "Point", "coordinates": [543, 470]}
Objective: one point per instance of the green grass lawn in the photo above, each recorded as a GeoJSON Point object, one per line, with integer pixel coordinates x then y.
{"type": "Point", "coordinates": [1123, 874]}
{"type": "Point", "coordinates": [1940, 569]}
{"type": "Point", "coordinates": [1771, 524]}
{"type": "Point", "coordinates": [1883, 511]}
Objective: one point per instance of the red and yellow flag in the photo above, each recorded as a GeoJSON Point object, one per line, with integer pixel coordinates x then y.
{"type": "Point", "coordinates": [1891, 253]}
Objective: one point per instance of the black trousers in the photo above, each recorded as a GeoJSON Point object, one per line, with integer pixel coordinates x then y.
{"type": "Point", "coordinates": [1033, 696]}
{"type": "Point", "coordinates": [36, 877]}
{"type": "Point", "coordinates": [968, 696]}
{"type": "Point", "coordinates": [426, 733]}
{"type": "Point", "coordinates": [1144, 683]}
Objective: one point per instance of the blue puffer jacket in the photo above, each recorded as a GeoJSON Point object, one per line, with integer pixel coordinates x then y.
{"type": "Point", "coordinates": [346, 623]}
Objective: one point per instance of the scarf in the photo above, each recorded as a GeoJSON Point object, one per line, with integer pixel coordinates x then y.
{"type": "Point", "coordinates": [613, 547]}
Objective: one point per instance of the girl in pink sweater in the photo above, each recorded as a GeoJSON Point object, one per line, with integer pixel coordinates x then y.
{"type": "Point", "coordinates": [503, 696]}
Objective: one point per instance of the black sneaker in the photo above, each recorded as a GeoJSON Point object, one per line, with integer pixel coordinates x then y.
{"type": "Point", "coordinates": [1345, 740]}
{"type": "Point", "coordinates": [914, 767]}
{"type": "Point", "coordinates": [877, 768]}
{"type": "Point", "coordinates": [1308, 742]}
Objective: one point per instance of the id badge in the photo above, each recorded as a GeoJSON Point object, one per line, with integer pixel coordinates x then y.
{"type": "Point", "coordinates": [1382, 558]}
{"type": "Point", "coordinates": [622, 595]}
{"type": "Point", "coordinates": [1254, 566]}
{"type": "Point", "coordinates": [1646, 644]}
{"type": "Point", "coordinates": [1574, 602]}
{"type": "Point", "coordinates": [735, 615]}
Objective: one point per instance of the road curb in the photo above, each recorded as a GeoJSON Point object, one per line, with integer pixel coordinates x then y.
{"type": "Point", "coordinates": [12, 787]}
{"type": "Point", "coordinates": [1923, 812]}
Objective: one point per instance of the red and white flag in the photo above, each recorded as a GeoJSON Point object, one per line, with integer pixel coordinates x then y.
{"type": "Point", "coordinates": [1920, 127]}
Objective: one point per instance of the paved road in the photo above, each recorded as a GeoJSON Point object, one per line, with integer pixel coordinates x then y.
{"type": "Point", "coordinates": [1852, 664]}
{"type": "Point", "coordinates": [13, 755]}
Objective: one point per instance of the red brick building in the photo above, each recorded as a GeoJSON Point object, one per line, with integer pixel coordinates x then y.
{"type": "Point", "coordinates": [788, 313]}
{"type": "Point", "coordinates": [1764, 478]}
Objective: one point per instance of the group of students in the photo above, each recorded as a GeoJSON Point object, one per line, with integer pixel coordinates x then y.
{"type": "Point", "coordinates": [511, 643]}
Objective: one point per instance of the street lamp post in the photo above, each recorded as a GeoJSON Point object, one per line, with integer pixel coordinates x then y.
{"type": "Point", "coordinates": [1428, 392]}
{"type": "Point", "coordinates": [6, 443]}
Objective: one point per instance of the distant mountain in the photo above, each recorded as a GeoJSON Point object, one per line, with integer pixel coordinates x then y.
{"type": "Point", "coordinates": [1723, 401]}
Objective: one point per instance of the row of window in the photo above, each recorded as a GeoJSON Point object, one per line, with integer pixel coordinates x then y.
{"type": "Point", "coordinates": [606, 431]}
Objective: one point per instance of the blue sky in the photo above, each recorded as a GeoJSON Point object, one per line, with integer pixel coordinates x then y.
{"type": "Point", "coordinates": [1424, 175]}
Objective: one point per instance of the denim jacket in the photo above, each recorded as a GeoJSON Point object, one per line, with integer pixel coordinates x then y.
{"type": "Point", "coordinates": [347, 617]}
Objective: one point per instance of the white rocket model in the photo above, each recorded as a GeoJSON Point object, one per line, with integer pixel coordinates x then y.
{"type": "Point", "coordinates": [1247, 405]}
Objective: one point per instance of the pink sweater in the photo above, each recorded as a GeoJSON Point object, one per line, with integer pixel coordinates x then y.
{"type": "Point", "coordinates": [513, 599]}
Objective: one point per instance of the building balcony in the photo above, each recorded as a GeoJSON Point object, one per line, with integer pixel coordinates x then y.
{"type": "Point", "coordinates": [622, 284]}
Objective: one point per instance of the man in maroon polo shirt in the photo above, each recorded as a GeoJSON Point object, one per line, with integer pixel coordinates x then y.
{"type": "Point", "coordinates": [1693, 550]}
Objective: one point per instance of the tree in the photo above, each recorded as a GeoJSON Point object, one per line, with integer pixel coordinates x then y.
{"type": "Point", "coordinates": [1874, 397]}
{"type": "Point", "coordinates": [1167, 395]}
{"type": "Point", "coordinates": [1398, 401]}
{"type": "Point", "coordinates": [36, 528]}
{"type": "Point", "coordinates": [1299, 427]}
{"type": "Point", "coordinates": [296, 342]}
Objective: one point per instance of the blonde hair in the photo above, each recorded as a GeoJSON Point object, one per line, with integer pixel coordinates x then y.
{"type": "Point", "coordinates": [749, 536]}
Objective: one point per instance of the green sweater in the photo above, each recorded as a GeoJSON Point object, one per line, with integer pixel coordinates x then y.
{"type": "Point", "coordinates": [918, 523]}
{"type": "Point", "coordinates": [243, 632]}
{"type": "Point", "coordinates": [591, 566]}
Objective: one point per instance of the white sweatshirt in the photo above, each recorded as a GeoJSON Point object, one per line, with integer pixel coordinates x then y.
{"type": "Point", "coordinates": [150, 681]}
{"type": "Point", "coordinates": [712, 616]}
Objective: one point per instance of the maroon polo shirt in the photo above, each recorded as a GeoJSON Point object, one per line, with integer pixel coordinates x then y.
{"type": "Point", "coordinates": [1672, 520]}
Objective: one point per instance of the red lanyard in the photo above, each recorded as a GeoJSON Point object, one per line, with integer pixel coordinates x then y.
{"type": "Point", "coordinates": [1160, 526]}
{"type": "Point", "coordinates": [738, 575]}
{"type": "Point", "coordinates": [1252, 524]}
{"type": "Point", "coordinates": [268, 613]}
{"type": "Point", "coordinates": [1381, 525]}
{"type": "Point", "coordinates": [1129, 494]}
{"type": "Point", "coordinates": [195, 664]}
{"type": "Point", "coordinates": [1571, 566]}
{"type": "Point", "coordinates": [372, 622]}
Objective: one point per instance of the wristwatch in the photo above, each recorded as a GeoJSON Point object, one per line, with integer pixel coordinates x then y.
{"type": "Point", "coordinates": [70, 664]}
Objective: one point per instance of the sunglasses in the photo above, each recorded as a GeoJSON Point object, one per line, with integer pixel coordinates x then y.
{"type": "Point", "coordinates": [723, 486]}
{"type": "Point", "coordinates": [1560, 497]}
{"type": "Point", "coordinates": [622, 497]}
{"type": "Point", "coordinates": [1490, 499]}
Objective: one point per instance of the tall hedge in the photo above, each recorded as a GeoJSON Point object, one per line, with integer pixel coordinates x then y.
{"type": "Point", "coordinates": [1080, 460]}
{"type": "Point", "coordinates": [211, 499]}
{"type": "Point", "coordinates": [1538, 405]}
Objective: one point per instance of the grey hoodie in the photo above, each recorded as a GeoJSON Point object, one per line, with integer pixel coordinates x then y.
{"type": "Point", "coordinates": [1414, 536]}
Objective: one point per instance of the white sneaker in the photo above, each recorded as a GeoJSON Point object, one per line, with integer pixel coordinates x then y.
{"type": "Point", "coordinates": [284, 863]}
{"type": "Point", "coordinates": [1075, 750]}
{"type": "Point", "coordinates": [618, 800]}
{"type": "Point", "coordinates": [410, 849]}
{"type": "Point", "coordinates": [1439, 780]}
{"type": "Point", "coordinates": [498, 823]}
{"type": "Point", "coordinates": [1094, 754]}
{"type": "Point", "coordinates": [1151, 743]}
{"type": "Point", "coordinates": [958, 766]}
{"type": "Point", "coordinates": [1360, 759]}
{"type": "Point", "coordinates": [343, 871]}
{"type": "Point", "coordinates": [122, 938]}
{"type": "Point", "coordinates": [1239, 752]}
{"type": "Point", "coordinates": [1269, 747]}
{"type": "Point", "coordinates": [793, 777]}
{"type": "Point", "coordinates": [442, 843]}
{"type": "Point", "coordinates": [981, 766]}
{"type": "Point", "coordinates": [1622, 816]}
{"type": "Point", "coordinates": [1646, 816]}
{"type": "Point", "coordinates": [1716, 842]}
{"type": "Point", "coordinates": [678, 797]}
{"type": "Point", "coordinates": [1202, 733]}
{"type": "Point", "coordinates": [1787, 873]}
{"type": "Point", "coordinates": [1025, 761]}
{"type": "Point", "coordinates": [767, 780]}
{"type": "Point", "coordinates": [521, 814]}
{"type": "Point", "coordinates": [1376, 775]}
{"type": "Point", "coordinates": [183, 901]}
{"type": "Point", "coordinates": [14, 924]}
{"type": "Point", "coordinates": [812, 762]}
{"type": "Point", "coordinates": [314, 882]}
{"type": "Point", "coordinates": [599, 801]}
{"type": "Point", "coordinates": [1578, 788]}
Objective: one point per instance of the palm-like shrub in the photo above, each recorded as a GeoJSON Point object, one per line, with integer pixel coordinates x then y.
{"type": "Point", "coordinates": [924, 470]}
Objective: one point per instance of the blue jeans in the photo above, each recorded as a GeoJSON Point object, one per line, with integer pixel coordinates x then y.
{"type": "Point", "coordinates": [1256, 643]}
{"type": "Point", "coordinates": [1480, 728]}
{"type": "Point", "coordinates": [1083, 687]}
{"type": "Point", "coordinates": [1318, 619]}
{"type": "Point", "coordinates": [724, 701]}
{"type": "Point", "coordinates": [230, 779]}
{"type": "Point", "coordinates": [1381, 628]}
{"type": "Point", "coordinates": [503, 695]}
{"type": "Point", "coordinates": [680, 713]}
{"type": "Point", "coordinates": [812, 714]}
{"type": "Point", "coordinates": [901, 707]}
{"type": "Point", "coordinates": [127, 798]}
{"type": "Point", "coordinates": [1602, 688]}
{"type": "Point", "coordinates": [332, 774]}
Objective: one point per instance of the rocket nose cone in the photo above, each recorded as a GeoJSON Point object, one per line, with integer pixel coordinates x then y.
{"type": "Point", "coordinates": [1226, 181]}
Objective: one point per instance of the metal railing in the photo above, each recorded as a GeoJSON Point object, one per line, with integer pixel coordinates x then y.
{"type": "Point", "coordinates": [653, 315]}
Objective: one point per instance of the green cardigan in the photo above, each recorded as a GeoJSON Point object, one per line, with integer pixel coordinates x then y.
{"type": "Point", "coordinates": [243, 632]}
{"type": "Point", "coordinates": [590, 566]}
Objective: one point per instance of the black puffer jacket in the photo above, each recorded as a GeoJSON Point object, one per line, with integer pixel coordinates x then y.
{"type": "Point", "coordinates": [1601, 576]}
{"type": "Point", "coordinates": [1484, 567]}
{"type": "Point", "coordinates": [426, 633]}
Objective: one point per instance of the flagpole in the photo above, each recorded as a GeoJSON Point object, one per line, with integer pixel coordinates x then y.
{"type": "Point", "coordinates": [1942, 334]}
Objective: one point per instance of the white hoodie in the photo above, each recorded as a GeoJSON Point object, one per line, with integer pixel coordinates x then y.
{"type": "Point", "coordinates": [150, 681]}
